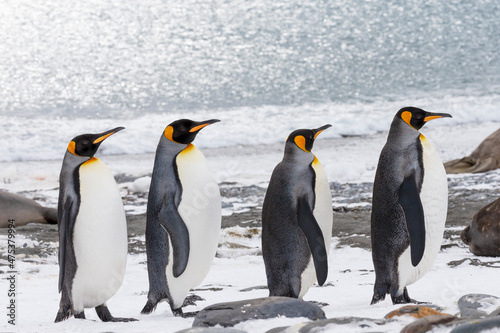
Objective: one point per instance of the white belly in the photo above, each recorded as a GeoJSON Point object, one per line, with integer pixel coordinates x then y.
{"type": "Point", "coordinates": [434, 197]}
{"type": "Point", "coordinates": [200, 209]}
{"type": "Point", "coordinates": [99, 238]}
{"type": "Point", "coordinates": [324, 216]}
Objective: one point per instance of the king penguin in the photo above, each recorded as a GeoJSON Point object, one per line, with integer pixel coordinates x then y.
{"type": "Point", "coordinates": [410, 201]}
{"type": "Point", "coordinates": [92, 231]}
{"type": "Point", "coordinates": [183, 217]}
{"type": "Point", "coordinates": [297, 219]}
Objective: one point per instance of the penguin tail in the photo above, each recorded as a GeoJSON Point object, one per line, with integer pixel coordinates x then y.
{"type": "Point", "coordinates": [149, 307]}
{"type": "Point", "coordinates": [64, 313]}
{"type": "Point", "coordinates": [50, 215]}
{"type": "Point", "coordinates": [379, 292]}
{"type": "Point", "coordinates": [377, 298]}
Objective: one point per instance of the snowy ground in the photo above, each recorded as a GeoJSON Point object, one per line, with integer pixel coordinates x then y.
{"type": "Point", "coordinates": [347, 291]}
{"type": "Point", "coordinates": [349, 285]}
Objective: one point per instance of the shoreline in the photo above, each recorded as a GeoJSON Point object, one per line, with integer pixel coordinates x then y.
{"type": "Point", "coordinates": [239, 253]}
{"type": "Point", "coordinates": [243, 173]}
{"type": "Point", "coordinates": [351, 217]}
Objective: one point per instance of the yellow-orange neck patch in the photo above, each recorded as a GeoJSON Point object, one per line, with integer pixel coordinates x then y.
{"type": "Point", "coordinates": [189, 147]}
{"type": "Point", "coordinates": [300, 141]}
{"type": "Point", "coordinates": [91, 160]}
{"type": "Point", "coordinates": [169, 131]}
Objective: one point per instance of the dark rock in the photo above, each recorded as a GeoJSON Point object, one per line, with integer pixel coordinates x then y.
{"type": "Point", "coordinates": [483, 233]}
{"type": "Point", "coordinates": [495, 313]}
{"type": "Point", "coordinates": [426, 324]}
{"type": "Point", "coordinates": [475, 262]}
{"type": "Point", "coordinates": [280, 329]}
{"type": "Point", "coordinates": [209, 289]}
{"type": "Point", "coordinates": [478, 325]}
{"type": "Point", "coordinates": [417, 311]}
{"type": "Point", "coordinates": [484, 158]}
{"type": "Point", "coordinates": [320, 304]}
{"type": "Point", "coordinates": [232, 313]}
{"type": "Point", "coordinates": [475, 306]}
{"type": "Point", "coordinates": [210, 330]}
{"type": "Point", "coordinates": [362, 323]}
{"type": "Point", "coordinates": [253, 288]}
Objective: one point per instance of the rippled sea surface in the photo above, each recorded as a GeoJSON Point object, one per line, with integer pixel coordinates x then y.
{"type": "Point", "coordinates": [133, 56]}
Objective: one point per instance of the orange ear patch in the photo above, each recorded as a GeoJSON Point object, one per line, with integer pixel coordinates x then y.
{"type": "Point", "coordinates": [406, 116]}
{"type": "Point", "coordinates": [169, 131]}
{"type": "Point", "coordinates": [71, 147]}
{"type": "Point", "coordinates": [300, 141]}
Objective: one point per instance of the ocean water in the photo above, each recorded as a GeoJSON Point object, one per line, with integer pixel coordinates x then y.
{"type": "Point", "coordinates": [264, 68]}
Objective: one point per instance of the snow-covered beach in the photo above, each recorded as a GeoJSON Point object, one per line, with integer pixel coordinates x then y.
{"type": "Point", "coordinates": [264, 68]}
{"type": "Point", "coordinates": [243, 173]}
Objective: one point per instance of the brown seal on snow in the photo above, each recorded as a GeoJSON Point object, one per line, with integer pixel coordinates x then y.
{"type": "Point", "coordinates": [23, 211]}
{"type": "Point", "coordinates": [484, 158]}
{"type": "Point", "coordinates": [483, 233]}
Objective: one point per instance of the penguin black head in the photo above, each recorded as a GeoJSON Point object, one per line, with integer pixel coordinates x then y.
{"type": "Point", "coordinates": [304, 138]}
{"type": "Point", "coordinates": [417, 118]}
{"type": "Point", "coordinates": [87, 144]}
{"type": "Point", "coordinates": [185, 130]}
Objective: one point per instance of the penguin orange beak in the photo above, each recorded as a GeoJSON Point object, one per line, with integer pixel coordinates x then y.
{"type": "Point", "coordinates": [103, 136]}
{"type": "Point", "coordinates": [432, 116]}
{"type": "Point", "coordinates": [320, 129]}
{"type": "Point", "coordinates": [199, 125]}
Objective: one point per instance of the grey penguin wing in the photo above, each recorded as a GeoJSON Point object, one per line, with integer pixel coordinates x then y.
{"type": "Point", "coordinates": [66, 225]}
{"type": "Point", "coordinates": [172, 222]}
{"type": "Point", "coordinates": [315, 240]}
{"type": "Point", "coordinates": [409, 199]}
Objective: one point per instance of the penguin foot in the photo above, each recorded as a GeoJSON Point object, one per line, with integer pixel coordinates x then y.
{"type": "Point", "coordinates": [80, 315]}
{"type": "Point", "coordinates": [104, 314]}
{"type": "Point", "coordinates": [179, 313]}
{"type": "Point", "coordinates": [149, 307]}
{"type": "Point", "coordinates": [404, 298]}
{"type": "Point", "coordinates": [192, 299]}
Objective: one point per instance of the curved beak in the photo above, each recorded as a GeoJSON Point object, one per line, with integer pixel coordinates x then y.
{"type": "Point", "coordinates": [431, 116]}
{"type": "Point", "coordinates": [201, 124]}
{"type": "Point", "coordinates": [103, 136]}
{"type": "Point", "coordinates": [318, 130]}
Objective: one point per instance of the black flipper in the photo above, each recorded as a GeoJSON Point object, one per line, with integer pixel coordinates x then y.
{"type": "Point", "coordinates": [409, 199]}
{"type": "Point", "coordinates": [315, 239]}
{"type": "Point", "coordinates": [172, 222]}
{"type": "Point", "coordinates": [66, 225]}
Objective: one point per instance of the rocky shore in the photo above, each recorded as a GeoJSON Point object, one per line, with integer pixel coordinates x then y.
{"type": "Point", "coordinates": [351, 230]}
{"type": "Point", "coordinates": [351, 212]}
